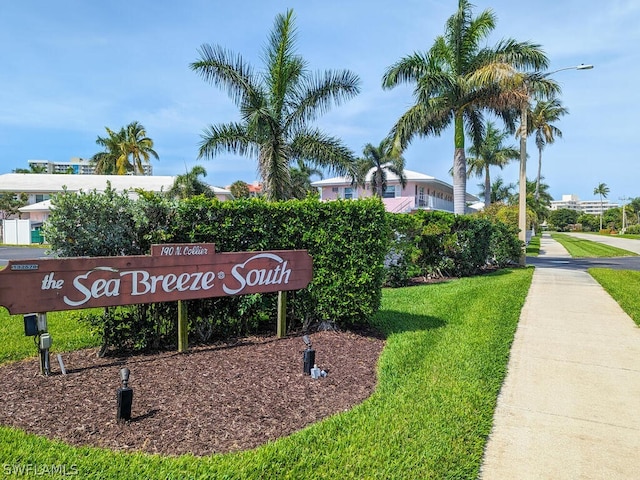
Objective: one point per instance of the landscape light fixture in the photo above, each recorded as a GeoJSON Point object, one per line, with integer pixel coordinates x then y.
{"type": "Point", "coordinates": [125, 397]}
{"type": "Point", "coordinates": [308, 356]}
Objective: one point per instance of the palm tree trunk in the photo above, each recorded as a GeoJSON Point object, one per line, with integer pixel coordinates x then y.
{"type": "Point", "coordinates": [601, 212]}
{"type": "Point", "coordinates": [459, 168]}
{"type": "Point", "coordinates": [537, 194]}
{"type": "Point", "coordinates": [487, 187]}
{"type": "Point", "coordinates": [522, 200]}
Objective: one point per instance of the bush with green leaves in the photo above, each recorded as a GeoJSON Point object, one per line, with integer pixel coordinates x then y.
{"type": "Point", "coordinates": [563, 217]}
{"type": "Point", "coordinates": [633, 229]}
{"type": "Point", "coordinates": [443, 244]}
{"type": "Point", "coordinates": [92, 224]}
{"type": "Point", "coordinates": [348, 241]}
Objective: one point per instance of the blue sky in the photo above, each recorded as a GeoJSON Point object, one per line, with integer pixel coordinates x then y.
{"type": "Point", "coordinates": [71, 67]}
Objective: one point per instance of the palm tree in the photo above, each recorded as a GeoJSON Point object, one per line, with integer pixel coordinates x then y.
{"type": "Point", "coordinates": [301, 180]}
{"type": "Point", "coordinates": [106, 162]}
{"type": "Point", "coordinates": [500, 191]}
{"type": "Point", "coordinates": [603, 191]}
{"type": "Point", "coordinates": [379, 161]}
{"type": "Point", "coordinates": [540, 121]}
{"type": "Point", "coordinates": [448, 90]}
{"type": "Point", "coordinates": [130, 141]}
{"type": "Point", "coordinates": [490, 152]}
{"type": "Point", "coordinates": [276, 106]}
{"type": "Point", "coordinates": [189, 184]}
{"type": "Point", "coordinates": [138, 146]}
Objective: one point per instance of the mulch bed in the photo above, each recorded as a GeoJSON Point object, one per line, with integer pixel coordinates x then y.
{"type": "Point", "coordinates": [213, 399]}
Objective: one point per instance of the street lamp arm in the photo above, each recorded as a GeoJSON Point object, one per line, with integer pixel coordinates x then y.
{"type": "Point", "coordinates": [582, 66]}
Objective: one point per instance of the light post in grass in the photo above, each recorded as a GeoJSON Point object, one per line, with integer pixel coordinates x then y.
{"type": "Point", "coordinates": [522, 192]}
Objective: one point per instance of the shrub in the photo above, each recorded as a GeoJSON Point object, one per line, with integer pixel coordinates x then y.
{"type": "Point", "coordinates": [348, 241]}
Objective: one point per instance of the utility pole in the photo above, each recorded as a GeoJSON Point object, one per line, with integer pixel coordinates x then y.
{"type": "Point", "coordinates": [624, 213]}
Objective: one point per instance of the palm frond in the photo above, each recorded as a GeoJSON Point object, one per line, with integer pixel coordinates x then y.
{"type": "Point", "coordinates": [223, 69]}
{"type": "Point", "coordinates": [231, 137]}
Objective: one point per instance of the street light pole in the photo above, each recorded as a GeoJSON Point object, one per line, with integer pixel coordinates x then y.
{"type": "Point", "coordinates": [522, 195]}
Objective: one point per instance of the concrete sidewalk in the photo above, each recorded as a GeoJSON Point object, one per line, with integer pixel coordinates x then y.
{"type": "Point", "coordinates": [570, 404]}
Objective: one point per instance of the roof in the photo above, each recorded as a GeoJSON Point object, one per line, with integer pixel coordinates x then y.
{"type": "Point", "coordinates": [410, 176]}
{"type": "Point", "coordinates": [50, 183]}
{"type": "Point", "coordinates": [44, 206]}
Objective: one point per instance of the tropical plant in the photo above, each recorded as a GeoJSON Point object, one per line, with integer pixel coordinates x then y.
{"type": "Point", "coordinates": [602, 190]}
{"type": "Point", "coordinates": [276, 105]}
{"type": "Point", "coordinates": [301, 180]}
{"type": "Point", "coordinates": [540, 121]}
{"type": "Point", "coordinates": [124, 151]}
{"type": "Point", "coordinates": [139, 147]}
{"type": "Point", "coordinates": [500, 191]}
{"type": "Point", "coordinates": [189, 184]}
{"type": "Point", "coordinates": [454, 83]}
{"type": "Point", "coordinates": [376, 163]}
{"type": "Point", "coordinates": [539, 206]}
{"type": "Point", "coordinates": [106, 162]}
{"type": "Point", "coordinates": [490, 152]}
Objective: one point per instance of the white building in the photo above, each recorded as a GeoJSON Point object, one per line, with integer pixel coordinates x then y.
{"type": "Point", "coordinates": [76, 166]}
{"type": "Point", "coordinates": [40, 186]}
{"type": "Point", "coordinates": [421, 191]}
{"type": "Point", "coordinates": [592, 207]}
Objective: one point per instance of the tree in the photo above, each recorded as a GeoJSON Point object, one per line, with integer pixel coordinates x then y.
{"type": "Point", "coordinates": [239, 189]}
{"type": "Point", "coordinates": [10, 204]}
{"type": "Point", "coordinates": [124, 151]}
{"type": "Point", "coordinates": [33, 168]}
{"type": "Point", "coordinates": [490, 152]}
{"type": "Point", "coordinates": [189, 184]}
{"type": "Point", "coordinates": [588, 221]}
{"type": "Point", "coordinates": [603, 191]}
{"type": "Point", "coordinates": [106, 162]}
{"type": "Point", "coordinates": [540, 118]}
{"type": "Point", "coordinates": [301, 180]}
{"type": "Point", "coordinates": [277, 106]}
{"type": "Point", "coordinates": [500, 191]}
{"type": "Point", "coordinates": [563, 217]}
{"type": "Point", "coordinates": [379, 161]}
{"type": "Point", "coordinates": [449, 88]}
{"type": "Point", "coordinates": [137, 146]}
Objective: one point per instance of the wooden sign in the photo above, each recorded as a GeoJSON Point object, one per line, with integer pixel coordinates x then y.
{"type": "Point", "coordinates": [172, 272]}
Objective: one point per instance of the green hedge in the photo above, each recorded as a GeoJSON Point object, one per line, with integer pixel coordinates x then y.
{"type": "Point", "coordinates": [348, 241]}
{"type": "Point", "coordinates": [443, 244]}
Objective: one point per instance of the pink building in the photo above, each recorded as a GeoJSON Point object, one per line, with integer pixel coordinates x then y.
{"type": "Point", "coordinates": [421, 192]}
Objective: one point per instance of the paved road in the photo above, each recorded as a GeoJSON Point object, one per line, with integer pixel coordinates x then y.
{"type": "Point", "coordinates": [548, 259]}
{"type": "Point", "coordinates": [20, 253]}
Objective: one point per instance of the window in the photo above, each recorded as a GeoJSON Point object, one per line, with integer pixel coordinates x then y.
{"type": "Point", "coordinates": [41, 198]}
{"type": "Point", "coordinates": [348, 193]}
{"type": "Point", "coordinates": [390, 192]}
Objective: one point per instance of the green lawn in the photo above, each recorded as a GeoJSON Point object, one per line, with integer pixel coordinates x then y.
{"type": "Point", "coordinates": [67, 333]}
{"type": "Point", "coordinates": [438, 380]}
{"type": "Point", "coordinates": [578, 247]}
{"type": "Point", "coordinates": [533, 249]}
{"type": "Point", "coordinates": [622, 286]}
